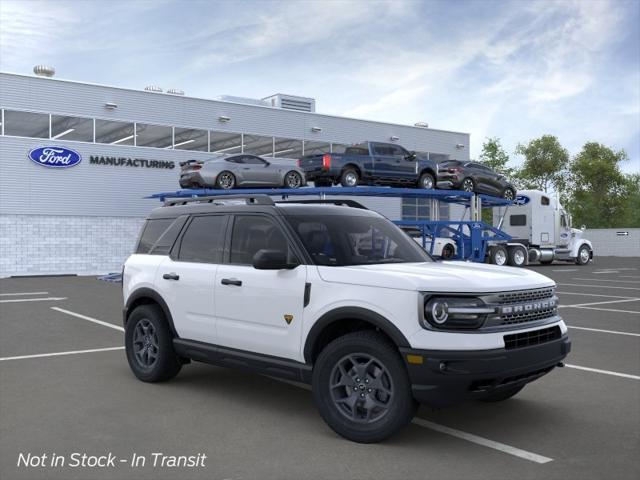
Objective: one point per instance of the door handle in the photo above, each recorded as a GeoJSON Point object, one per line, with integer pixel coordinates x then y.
{"type": "Point", "coordinates": [171, 276]}
{"type": "Point", "coordinates": [231, 281]}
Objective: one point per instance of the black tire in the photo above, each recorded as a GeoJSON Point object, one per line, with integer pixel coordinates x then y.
{"type": "Point", "coordinates": [149, 321]}
{"type": "Point", "coordinates": [509, 194]}
{"type": "Point", "coordinates": [226, 180]}
{"type": "Point", "coordinates": [517, 256]}
{"type": "Point", "coordinates": [393, 399]}
{"type": "Point", "coordinates": [468, 185]}
{"type": "Point", "coordinates": [502, 395]}
{"type": "Point", "coordinates": [448, 252]}
{"type": "Point", "coordinates": [584, 255]}
{"type": "Point", "coordinates": [426, 181]}
{"type": "Point", "coordinates": [349, 177]}
{"type": "Point", "coordinates": [293, 180]}
{"type": "Point", "coordinates": [499, 255]}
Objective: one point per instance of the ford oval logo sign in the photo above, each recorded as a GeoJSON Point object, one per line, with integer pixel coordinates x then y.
{"type": "Point", "coordinates": [521, 200]}
{"type": "Point", "coordinates": [55, 157]}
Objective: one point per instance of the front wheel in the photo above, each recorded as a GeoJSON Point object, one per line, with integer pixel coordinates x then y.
{"type": "Point", "coordinates": [468, 185]}
{"type": "Point", "coordinates": [584, 255]}
{"type": "Point", "coordinates": [149, 345]}
{"type": "Point", "coordinates": [426, 181]}
{"type": "Point", "coordinates": [361, 387]}
{"type": "Point", "coordinates": [502, 395]}
{"type": "Point", "coordinates": [293, 179]}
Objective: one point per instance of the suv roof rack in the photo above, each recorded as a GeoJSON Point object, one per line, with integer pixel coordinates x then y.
{"type": "Point", "coordinates": [260, 199]}
{"type": "Point", "coordinates": [345, 202]}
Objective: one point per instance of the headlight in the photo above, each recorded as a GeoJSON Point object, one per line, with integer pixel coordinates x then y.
{"type": "Point", "coordinates": [455, 312]}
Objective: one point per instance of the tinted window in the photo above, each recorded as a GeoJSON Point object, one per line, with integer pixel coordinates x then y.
{"type": "Point", "coordinates": [72, 128]}
{"type": "Point", "coordinates": [151, 232]}
{"type": "Point", "coordinates": [239, 159]}
{"type": "Point", "coordinates": [544, 200]}
{"type": "Point", "coordinates": [203, 240]}
{"type": "Point", "coordinates": [518, 220]}
{"type": "Point", "coordinates": [250, 159]}
{"type": "Point", "coordinates": [392, 150]}
{"type": "Point", "coordinates": [163, 245]}
{"type": "Point", "coordinates": [340, 240]}
{"type": "Point", "coordinates": [26, 124]}
{"type": "Point", "coordinates": [252, 233]}
{"type": "Point", "coordinates": [356, 151]}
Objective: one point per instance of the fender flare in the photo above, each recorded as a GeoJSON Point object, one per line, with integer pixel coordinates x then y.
{"type": "Point", "coordinates": [352, 313]}
{"type": "Point", "coordinates": [145, 292]}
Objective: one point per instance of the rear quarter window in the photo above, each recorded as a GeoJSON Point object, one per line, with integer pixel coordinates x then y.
{"type": "Point", "coordinates": [151, 233]}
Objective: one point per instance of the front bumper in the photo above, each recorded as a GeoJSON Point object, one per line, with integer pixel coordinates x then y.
{"type": "Point", "coordinates": [447, 377]}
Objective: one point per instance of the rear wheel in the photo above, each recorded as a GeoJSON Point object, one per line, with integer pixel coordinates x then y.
{"type": "Point", "coordinates": [226, 180]}
{"type": "Point", "coordinates": [361, 387]}
{"type": "Point", "coordinates": [293, 179]}
{"type": "Point", "coordinates": [149, 345]}
{"type": "Point", "coordinates": [584, 255]}
{"type": "Point", "coordinates": [468, 185]}
{"type": "Point", "coordinates": [502, 395]}
{"type": "Point", "coordinates": [349, 178]}
{"type": "Point", "coordinates": [517, 256]}
{"type": "Point", "coordinates": [426, 181]}
{"type": "Point", "coordinates": [508, 194]}
{"type": "Point", "coordinates": [499, 255]}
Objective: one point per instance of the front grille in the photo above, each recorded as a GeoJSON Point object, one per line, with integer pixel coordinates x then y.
{"type": "Point", "coordinates": [515, 318]}
{"type": "Point", "coordinates": [534, 337]}
{"type": "Point", "coordinates": [521, 296]}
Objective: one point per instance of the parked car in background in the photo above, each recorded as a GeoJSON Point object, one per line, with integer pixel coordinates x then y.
{"type": "Point", "coordinates": [227, 172]}
{"type": "Point", "coordinates": [474, 177]}
{"type": "Point", "coordinates": [370, 163]}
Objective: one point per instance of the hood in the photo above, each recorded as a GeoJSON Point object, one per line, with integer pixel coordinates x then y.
{"type": "Point", "coordinates": [449, 277]}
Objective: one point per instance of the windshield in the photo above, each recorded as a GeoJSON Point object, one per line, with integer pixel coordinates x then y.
{"type": "Point", "coordinates": [343, 240]}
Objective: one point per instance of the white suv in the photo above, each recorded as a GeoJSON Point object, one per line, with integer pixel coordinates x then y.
{"type": "Point", "coordinates": [338, 297]}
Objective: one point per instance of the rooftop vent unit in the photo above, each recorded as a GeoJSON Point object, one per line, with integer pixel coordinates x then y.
{"type": "Point", "coordinates": [245, 100]}
{"type": "Point", "coordinates": [44, 71]}
{"type": "Point", "coordinates": [421, 125]}
{"type": "Point", "coordinates": [153, 88]}
{"type": "Point", "coordinates": [175, 91]}
{"type": "Point", "coordinates": [291, 102]}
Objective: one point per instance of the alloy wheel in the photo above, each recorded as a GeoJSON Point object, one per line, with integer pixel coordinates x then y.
{"type": "Point", "coordinates": [145, 343]}
{"type": "Point", "coordinates": [467, 185]}
{"type": "Point", "coordinates": [293, 180]}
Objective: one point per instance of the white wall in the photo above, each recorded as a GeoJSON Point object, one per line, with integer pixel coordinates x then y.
{"type": "Point", "coordinates": [607, 242]}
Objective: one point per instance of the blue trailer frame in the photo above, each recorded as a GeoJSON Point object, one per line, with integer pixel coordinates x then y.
{"type": "Point", "coordinates": [472, 237]}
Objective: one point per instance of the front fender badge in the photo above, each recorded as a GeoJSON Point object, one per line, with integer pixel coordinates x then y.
{"type": "Point", "coordinates": [288, 318]}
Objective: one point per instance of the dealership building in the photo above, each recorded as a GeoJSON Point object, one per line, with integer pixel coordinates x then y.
{"type": "Point", "coordinates": [127, 144]}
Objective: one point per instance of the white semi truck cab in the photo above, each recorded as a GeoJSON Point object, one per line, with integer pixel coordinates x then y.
{"type": "Point", "coordinates": [541, 231]}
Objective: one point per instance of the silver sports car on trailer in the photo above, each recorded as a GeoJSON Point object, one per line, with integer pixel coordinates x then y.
{"type": "Point", "coordinates": [235, 171]}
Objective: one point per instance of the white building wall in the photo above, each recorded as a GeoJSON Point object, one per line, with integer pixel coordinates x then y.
{"type": "Point", "coordinates": [612, 242]}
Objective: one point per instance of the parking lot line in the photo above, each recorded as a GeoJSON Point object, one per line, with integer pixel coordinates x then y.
{"type": "Point", "coordinates": [598, 286]}
{"type": "Point", "coordinates": [57, 354]}
{"type": "Point", "coordinates": [566, 270]}
{"type": "Point", "coordinates": [605, 331]}
{"type": "Point", "coordinates": [608, 280]}
{"type": "Point", "coordinates": [23, 293]}
{"type": "Point", "coordinates": [470, 437]}
{"type": "Point", "coordinates": [610, 310]}
{"type": "Point", "coordinates": [47, 299]}
{"type": "Point", "coordinates": [533, 457]}
{"type": "Point", "coordinates": [591, 295]}
{"type": "Point", "coordinates": [599, 303]}
{"type": "Point", "coordinates": [89, 319]}
{"type": "Point", "coordinates": [629, 276]}
{"type": "Point", "coordinates": [605, 272]}
{"type": "Point", "coordinates": [606, 372]}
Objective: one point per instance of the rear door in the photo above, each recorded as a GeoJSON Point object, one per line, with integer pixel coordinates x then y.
{"type": "Point", "coordinates": [186, 279]}
{"type": "Point", "coordinates": [259, 310]}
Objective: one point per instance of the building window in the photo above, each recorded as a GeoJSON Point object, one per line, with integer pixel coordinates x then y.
{"type": "Point", "coordinates": [26, 124]}
{"type": "Point", "coordinates": [191, 139]}
{"type": "Point", "coordinates": [227, 143]}
{"type": "Point", "coordinates": [71, 128]}
{"type": "Point", "coordinates": [316, 148]}
{"type": "Point", "coordinates": [115, 133]}
{"type": "Point", "coordinates": [157, 136]}
{"type": "Point", "coordinates": [287, 148]}
{"type": "Point", "coordinates": [258, 145]}
{"type": "Point", "coordinates": [419, 209]}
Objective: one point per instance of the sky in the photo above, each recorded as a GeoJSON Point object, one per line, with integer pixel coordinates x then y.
{"type": "Point", "coordinates": [509, 69]}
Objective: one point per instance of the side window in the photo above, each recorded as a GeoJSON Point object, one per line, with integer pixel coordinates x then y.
{"type": "Point", "coordinates": [397, 151]}
{"type": "Point", "coordinates": [151, 233]}
{"type": "Point", "coordinates": [203, 240]}
{"type": "Point", "coordinates": [238, 159]}
{"type": "Point", "coordinates": [518, 220]}
{"type": "Point", "coordinates": [253, 160]}
{"type": "Point", "coordinates": [544, 201]}
{"type": "Point", "coordinates": [252, 233]}
{"type": "Point", "coordinates": [563, 221]}
{"type": "Point", "coordinates": [168, 238]}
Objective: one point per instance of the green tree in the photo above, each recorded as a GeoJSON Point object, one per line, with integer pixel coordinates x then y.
{"type": "Point", "coordinates": [495, 157]}
{"type": "Point", "coordinates": [545, 164]}
{"type": "Point", "coordinates": [630, 216]}
{"type": "Point", "coordinates": [599, 194]}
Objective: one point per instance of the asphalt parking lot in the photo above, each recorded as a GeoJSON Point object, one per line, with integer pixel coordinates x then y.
{"type": "Point", "coordinates": [582, 421]}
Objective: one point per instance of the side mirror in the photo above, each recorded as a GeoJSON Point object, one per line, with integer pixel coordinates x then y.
{"type": "Point", "coordinates": [272, 260]}
{"type": "Point", "coordinates": [583, 227]}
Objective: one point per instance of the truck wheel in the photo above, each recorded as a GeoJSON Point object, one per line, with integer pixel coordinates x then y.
{"type": "Point", "coordinates": [502, 395]}
{"type": "Point", "coordinates": [426, 181]}
{"type": "Point", "coordinates": [468, 185]}
{"type": "Point", "coordinates": [517, 256]}
{"type": "Point", "coordinates": [361, 387]}
{"type": "Point", "coordinates": [499, 255]}
{"type": "Point", "coordinates": [226, 180]}
{"type": "Point", "coordinates": [149, 345]}
{"type": "Point", "coordinates": [448, 252]}
{"type": "Point", "coordinates": [584, 255]}
{"type": "Point", "coordinates": [349, 178]}
{"type": "Point", "coordinates": [508, 194]}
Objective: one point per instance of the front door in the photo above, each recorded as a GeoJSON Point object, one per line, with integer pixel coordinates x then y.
{"type": "Point", "coordinates": [259, 310]}
{"type": "Point", "coordinates": [391, 163]}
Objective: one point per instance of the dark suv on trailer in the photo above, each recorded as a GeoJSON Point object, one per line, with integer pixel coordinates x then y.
{"type": "Point", "coordinates": [474, 177]}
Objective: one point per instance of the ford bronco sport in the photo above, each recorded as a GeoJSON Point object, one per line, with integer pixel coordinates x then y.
{"type": "Point", "coordinates": [338, 297]}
